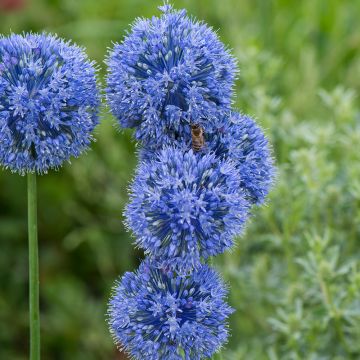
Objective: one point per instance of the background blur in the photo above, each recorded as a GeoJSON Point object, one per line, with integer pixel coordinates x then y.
{"type": "Point", "coordinates": [295, 274]}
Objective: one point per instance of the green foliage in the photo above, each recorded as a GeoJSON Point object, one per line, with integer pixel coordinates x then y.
{"type": "Point", "coordinates": [295, 274]}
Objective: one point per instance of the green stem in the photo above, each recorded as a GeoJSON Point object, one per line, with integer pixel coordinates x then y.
{"type": "Point", "coordinates": [334, 312]}
{"type": "Point", "coordinates": [33, 270]}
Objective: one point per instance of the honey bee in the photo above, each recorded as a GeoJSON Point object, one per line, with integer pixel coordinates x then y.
{"type": "Point", "coordinates": [197, 137]}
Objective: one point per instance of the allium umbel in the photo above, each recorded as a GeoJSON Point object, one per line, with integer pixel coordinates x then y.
{"type": "Point", "coordinates": [155, 314]}
{"type": "Point", "coordinates": [169, 72]}
{"type": "Point", "coordinates": [186, 206]}
{"type": "Point", "coordinates": [202, 168]}
{"type": "Point", "coordinates": [48, 102]}
{"type": "Point", "coordinates": [48, 110]}
{"type": "Point", "coordinates": [242, 140]}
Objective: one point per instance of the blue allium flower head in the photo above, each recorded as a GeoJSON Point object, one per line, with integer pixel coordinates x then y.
{"type": "Point", "coordinates": [48, 102]}
{"type": "Point", "coordinates": [156, 314]}
{"type": "Point", "coordinates": [242, 140]}
{"type": "Point", "coordinates": [169, 72]}
{"type": "Point", "coordinates": [185, 206]}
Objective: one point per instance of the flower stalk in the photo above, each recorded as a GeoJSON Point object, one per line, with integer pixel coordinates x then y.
{"type": "Point", "coordinates": [48, 109]}
{"type": "Point", "coordinates": [34, 311]}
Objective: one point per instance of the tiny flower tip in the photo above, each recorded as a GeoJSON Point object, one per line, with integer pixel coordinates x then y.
{"type": "Point", "coordinates": [166, 7]}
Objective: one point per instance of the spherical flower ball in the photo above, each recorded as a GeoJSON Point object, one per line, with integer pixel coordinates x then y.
{"type": "Point", "coordinates": [239, 139]}
{"type": "Point", "coordinates": [168, 73]}
{"type": "Point", "coordinates": [48, 102]}
{"type": "Point", "coordinates": [243, 141]}
{"type": "Point", "coordinates": [185, 206]}
{"type": "Point", "coordinates": [156, 314]}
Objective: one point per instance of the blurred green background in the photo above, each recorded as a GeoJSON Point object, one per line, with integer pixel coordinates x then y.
{"type": "Point", "coordinates": [295, 275]}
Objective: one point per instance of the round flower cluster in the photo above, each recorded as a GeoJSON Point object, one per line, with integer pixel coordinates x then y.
{"type": "Point", "coordinates": [156, 314]}
{"type": "Point", "coordinates": [243, 141]}
{"type": "Point", "coordinates": [167, 72]}
{"type": "Point", "coordinates": [202, 167]}
{"type": "Point", "coordinates": [48, 102]}
{"type": "Point", "coordinates": [186, 206]}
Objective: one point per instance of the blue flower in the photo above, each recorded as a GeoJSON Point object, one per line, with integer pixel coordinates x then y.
{"type": "Point", "coordinates": [155, 314]}
{"type": "Point", "coordinates": [242, 140]}
{"type": "Point", "coordinates": [185, 206]}
{"type": "Point", "coordinates": [48, 102]}
{"type": "Point", "coordinates": [168, 73]}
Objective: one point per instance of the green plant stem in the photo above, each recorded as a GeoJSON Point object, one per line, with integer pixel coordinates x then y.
{"type": "Point", "coordinates": [34, 313]}
{"type": "Point", "coordinates": [334, 313]}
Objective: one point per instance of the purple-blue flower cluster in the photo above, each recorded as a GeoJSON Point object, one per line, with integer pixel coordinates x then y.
{"type": "Point", "coordinates": [243, 141]}
{"type": "Point", "coordinates": [240, 140]}
{"type": "Point", "coordinates": [156, 314]}
{"type": "Point", "coordinates": [185, 207]}
{"type": "Point", "coordinates": [202, 167]}
{"type": "Point", "coordinates": [168, 72]}
{"type": "Point", "coordinates": [48, 102]}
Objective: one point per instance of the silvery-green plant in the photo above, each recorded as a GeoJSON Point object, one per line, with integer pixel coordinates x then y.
{"type": "Point", "coordinates": [302, 262]}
